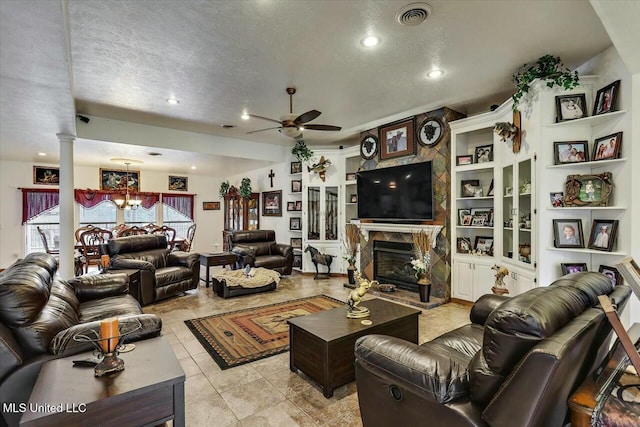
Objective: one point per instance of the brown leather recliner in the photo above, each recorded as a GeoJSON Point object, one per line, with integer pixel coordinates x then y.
{"type": "Point", "coordinates": [162, 273]}
{"type": "Point", "coordinates": [516, 364]}
{"type": "Point", "coordinates": [40, 314]}
{"type": "Point", "coordinates": [258, 248]}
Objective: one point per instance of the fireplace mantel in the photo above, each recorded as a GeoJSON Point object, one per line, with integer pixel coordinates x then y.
{"type": "Point", "coordinates": [367, 227]}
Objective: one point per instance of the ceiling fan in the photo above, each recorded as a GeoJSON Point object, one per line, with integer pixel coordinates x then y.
{"type": "Point", "coordinates": [293, 125]}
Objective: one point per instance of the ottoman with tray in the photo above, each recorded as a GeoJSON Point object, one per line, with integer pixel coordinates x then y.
{"type": "Point", "coordinates": [232, 283]}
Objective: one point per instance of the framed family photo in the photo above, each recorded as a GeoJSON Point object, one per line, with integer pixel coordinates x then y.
{"type": "Point", "coordinates": [296, 167]}
{"type": "Point", "coordinates": [603, 234]}
{"type": "Point", "coordinates": [295, 223]}
{"type": "Point", "coordinates": [588, 190]}
{"type": "Point", "coordinates": [463, 245]}
{"type": "Point", "coordinates": [111, 179]}
{"type": "Point", "coordinates": [350, 176]}
{"type": "Point", "coordinates": [291, 206]}
{"type": "Point", "coordinates": [272, 203]}
{"type": "Point", "coordinates": [607, 147]}
{"type": "Point", "coordinates": [570, 107]}
{"type": "Point", "coordinates": [296, 242]}
{"type": "Point", "coordinates": [557, 199]}
{"type": "Point", "coordinates": [570, 152]}
{"type": "Point", "coordinates": [573, 267]}
{"type": "Point", "coordinates": [397, 140]}
{"type": "Point", "coordinates": [612, 273]}
{"type": "Point", "coordinates": [484, 153]}
{"type": "Point", "coordinates": [297, 261]}
{"type": "Point", "coordinates": [469, 187]}
{"type": "Point", "coordinates": [484, 244]}
{"type": "Point", "coordinates": [46, 175]}
{"type": "Point", "coordinates": [178, 183]}
{"type": "Point", "coordinates": [466, 159]}
{"type": "Point", "coordinates": [606, 98]}
{"type": "Point", "coordinates": [567, 233]}
{"type": "Point", "coordinates": [296, 186]}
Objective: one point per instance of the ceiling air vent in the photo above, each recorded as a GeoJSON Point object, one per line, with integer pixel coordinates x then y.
{"type": "Point", "coordinates": [413, 14]}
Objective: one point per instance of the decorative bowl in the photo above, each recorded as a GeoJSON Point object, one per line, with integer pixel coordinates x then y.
{"type": "Point", "coordinates": [387, 287]}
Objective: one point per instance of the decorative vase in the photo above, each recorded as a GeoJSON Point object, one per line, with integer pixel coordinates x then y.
{"type": "Point", "coordinates": [424, 286]}
{"type": "Point", "coordinates": [351, 270]}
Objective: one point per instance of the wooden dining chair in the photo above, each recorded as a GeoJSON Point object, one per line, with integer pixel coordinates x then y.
{"type": "Point", "coordinates": [132, 231]}
{"type": "Point", "coordinates": [47, 248]}
{"type": "Point", "coordinates": [188, 242]}
{"type": "Point", "coordinates": [167, 231]}
{"type": "Point", "coordinates": [81, 230]}
{"type": "Point", "coordinates": [90, 240]}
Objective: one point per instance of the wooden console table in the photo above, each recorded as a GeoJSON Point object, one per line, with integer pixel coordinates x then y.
{"type": "Point", "coordinates": [150, 391]}
{"type": "Point", "coordinates": [222, 259]}
{"type": "Point", "coordinates": [583, 402]}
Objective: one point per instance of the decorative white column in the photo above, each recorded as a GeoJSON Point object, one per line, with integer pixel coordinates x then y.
{"type": "Point", "coordinates": [67, 239]}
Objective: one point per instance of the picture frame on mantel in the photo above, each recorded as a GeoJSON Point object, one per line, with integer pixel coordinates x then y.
{"type": "Point", "coordinates": [397, 140]}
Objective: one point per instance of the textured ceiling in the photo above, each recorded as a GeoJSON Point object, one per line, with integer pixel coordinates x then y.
{"type": "Point", "coordinates": [222, 57]}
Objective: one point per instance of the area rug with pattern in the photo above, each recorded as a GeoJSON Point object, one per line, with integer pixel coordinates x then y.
{"type": "Point", "coordinates": [244, 336]}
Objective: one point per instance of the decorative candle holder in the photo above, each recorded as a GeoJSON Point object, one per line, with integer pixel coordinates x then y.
{"type": "Point", "coordinates": [104, 263]}
{"type": "Point", "coordinates": [107, 347]}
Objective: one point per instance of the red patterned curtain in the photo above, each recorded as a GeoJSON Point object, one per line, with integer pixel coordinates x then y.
{"type": "Point", "coordinates": [90, 198]}
{"type": "Point", "coordinates": [37, 200]}
{"type": "Point", "coordinates": [183, 203]}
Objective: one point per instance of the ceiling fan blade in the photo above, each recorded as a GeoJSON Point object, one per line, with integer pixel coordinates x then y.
{"type": "Point", "coordinates": [261, 130]}
{"type": "Point", "coordinates": [322, 127]}
{"type": "Point", "coordinates": [306, 117]}
{"type": "Point", "coordinates": [265, 118]}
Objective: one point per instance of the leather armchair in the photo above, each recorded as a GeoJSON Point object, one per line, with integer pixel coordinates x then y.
{"type": "Point", "coordinates": [162, 273]}
{"type": "Point", "coordinates": [40, 314]}
{"type": "Point", "coordinates": [515, 364]}
{"type": "Point", "coordinates": [258, 248]}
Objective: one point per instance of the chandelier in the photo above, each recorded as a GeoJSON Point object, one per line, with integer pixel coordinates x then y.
{"type": "Point", "coordinates": [128, 202]}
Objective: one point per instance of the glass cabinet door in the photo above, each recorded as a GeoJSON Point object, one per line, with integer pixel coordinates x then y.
{"type": "Point", "coordinates": [313, 213]}
{"type": "Point", "coordinates": [331, 213]}
{"type": "Point", "coordinates": [524, 211]}
{"type": "Point", "coordinates": [253, 213]}
{"type": "Point", "coordinates": [508, 210]}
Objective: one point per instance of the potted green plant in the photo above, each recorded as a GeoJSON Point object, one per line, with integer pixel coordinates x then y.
{"type": "Point", "coordinates": [245, 188]}
{"type": "Point", "coordinates": [224, 189]}
{"type": "Point", "coordinates": [549, 69]}
{"type": "Point", "coordinates": [301, 151]}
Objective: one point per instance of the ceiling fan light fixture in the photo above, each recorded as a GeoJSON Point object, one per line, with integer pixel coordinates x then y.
{"type": "Point", "coordinates": [435, 73]}
{"type": "Point", "coordinates": [370, 41]}
{"type": "Point", "coordinates": [173, 101]}
{"type": "Point", "coordinates": [245, 116]}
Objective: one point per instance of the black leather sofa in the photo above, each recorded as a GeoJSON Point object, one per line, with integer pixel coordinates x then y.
{"type": "Point", "coordinates": [163, 273]}
{"type": "Point", "coordinates": [40, 314]}
{"type": "Point", "coordinates": [258, 248]}
{"type": "Point", "coordinates": [515, 364]}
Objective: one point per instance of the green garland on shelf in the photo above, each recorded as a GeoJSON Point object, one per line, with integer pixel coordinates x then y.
{"type": "Point", "coordinates": [224, 189]}
{"type": "Point", "coordinates": [245, 188]}
{"type": "Point", "coordinates": [301, 151]}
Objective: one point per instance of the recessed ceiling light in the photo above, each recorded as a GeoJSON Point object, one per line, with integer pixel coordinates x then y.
{"type": "Point", "coordinates": [435, 73]}
{"type": "Point", "coordinates": [229, 126]}
{"type": "Point", "coordinates": [245, 116]}
{"type": "Point", "coordinates": [370, 41]}
{"type": "Point", "coordinates": [173, 101]}
{"type": "Point", "coordinates": [42, 154]}
{"type": "Point", "coordinates": [155, 153]}
{"type": "Point", "coordinates": [193, 167]}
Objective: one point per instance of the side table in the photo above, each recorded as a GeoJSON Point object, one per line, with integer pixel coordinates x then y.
{"type": "Point", "coordinates": [134, 282]}
{"type": "Point", "coordinates": [208, 260]}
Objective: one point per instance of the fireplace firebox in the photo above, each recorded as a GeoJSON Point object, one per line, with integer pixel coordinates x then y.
{"type": "Point", "coordinates": [392, 264]}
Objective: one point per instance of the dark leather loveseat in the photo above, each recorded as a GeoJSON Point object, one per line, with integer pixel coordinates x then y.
{"type": "Point", "coordinates": [258, 248]}
{"type": "Point", "coordinates": [40, 314]}
{"type": "Point", "coordinates": [162, 273]}
{"type": "Point", "coordinates": [515, 364]}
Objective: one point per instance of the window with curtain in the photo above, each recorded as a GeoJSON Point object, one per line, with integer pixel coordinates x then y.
{"type": "Point", "coordinates": [141, 216]}
{"type": "Point", "coordinates": [41, 207]}
{"type": "Point", "coordinates": [103, 215]}
{"type": "Point", "coordinates": [177, 212]}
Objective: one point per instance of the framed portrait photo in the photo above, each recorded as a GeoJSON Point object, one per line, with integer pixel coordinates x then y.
{"type": "Point", "coordinates": [430, 131]}
{"type": "Point", "coordinates": [557, 199]}
{"type": "Point", "coordinates": [296, 167]}
{"type": "Point", "coordinates": [296, 242]}
{"type": "Point", "coordinates": [350, 176]}
{"type": "Point", "coordinates": [178, 183]}
{"type": "Point", "coordinates": [272, 203]}
{"type": "Point", "coordinates": [291, 206]}
{"type": "Point", "coordinates": [353, 198]}
{"type": "Point", "coordinates": [466, 159]}
{"type": "Point", "coordinates": [570, 152]}
{"type": "Point", "coordinates": [607, 147]}
{"type": "Point", "coordinates": [484, 244]}
{"type": "Point", "coordinates": [461, 214]}
{"type": "Point", "coordinates": [606, 98]}
{"type": "Point", "coordinates": [570, 107]}
{"type": "Point", "coordinates": [612, 273]}
{"type": "Point", "coordinates": [298, 205]}
{"type": "Point", "coordinates": [295, 223]}
{"type": "Point", "coordinates": [296, 186]}
{"type": "Point", "coordinates": [210, 206]}
{"type": "Point", "coordinates": [484, 153]}
{"type": "Point", "coordinates": [468, 187]}
{"type": "Point", "coordinates": [369, 147]}
{"type": "Point", "coordinates": [46, 175]}
{"type": "Point", "coordinates": [397, 140]}
{"type": "Point", "coordinates": [588, 190]}
{"type": "Point", "coordinates": [111, 179]}
{"type": "Point", "coordinates": [297, 261]}
{"type": "Point", "coordinates": [603, 234]}
{"type": "Point", "coordinates": [573, 267]}
{"type": "Point", "coordinates": [463, 245]}
{"type": "Point", "coordinates": [567, 233]}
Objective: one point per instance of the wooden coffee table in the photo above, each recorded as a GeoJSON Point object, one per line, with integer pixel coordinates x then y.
{"type": "Point", "coordinates": [208, 260]}
{"type": "Point", "coordinates": [322, 344]}
{"type": "Point", "coordinates": [150, 391]}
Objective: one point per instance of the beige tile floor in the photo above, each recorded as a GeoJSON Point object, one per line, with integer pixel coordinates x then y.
{"type": "Point", "coordinates": [266, 392]}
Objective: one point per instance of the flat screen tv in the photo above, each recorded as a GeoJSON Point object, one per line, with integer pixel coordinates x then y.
{"type": "Point", "coordinates": [400, 193]}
